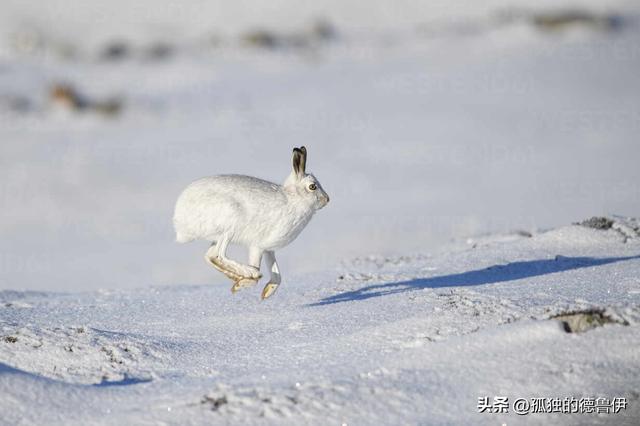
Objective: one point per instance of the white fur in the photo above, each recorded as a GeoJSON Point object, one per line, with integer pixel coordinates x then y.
{"type": "Point", "coordinates": [258, 214]}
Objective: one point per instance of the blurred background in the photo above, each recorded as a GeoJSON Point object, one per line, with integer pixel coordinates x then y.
{"type": "Point", "coordinates": [427, 121]}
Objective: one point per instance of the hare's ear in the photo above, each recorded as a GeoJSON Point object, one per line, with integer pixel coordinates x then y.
{"type": "Point", "coordinates": [299, 161]}
{"type": "Point", "coordinates": [303, 164]}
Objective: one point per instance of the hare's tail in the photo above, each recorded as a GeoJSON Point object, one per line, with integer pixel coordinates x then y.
{"type": "Point", "coordinates": [182, 238]}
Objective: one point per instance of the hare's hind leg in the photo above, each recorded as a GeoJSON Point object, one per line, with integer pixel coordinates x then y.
{"type": "Point", "coordinates": [274, 280]}
{"type": "Point", "coordinates": [241, 275]}
{"type": "Point", "coordinates": [215, 255]}
{"type": "Point", "coordinates": [255, 257]}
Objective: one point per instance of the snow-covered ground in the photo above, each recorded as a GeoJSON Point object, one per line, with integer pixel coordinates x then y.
{"type": "Point", "coordinates": [445, 132]}
{"type": "Point", "coordinates": [413, 339]}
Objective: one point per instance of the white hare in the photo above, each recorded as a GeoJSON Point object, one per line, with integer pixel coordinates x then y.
{"type": "Point", "coordinates": [258, 214]}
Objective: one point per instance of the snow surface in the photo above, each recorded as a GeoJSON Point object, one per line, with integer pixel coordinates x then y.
{"type": "Point", "coordinates": [381, 340]}
{"type": "Point", "coordinates": [426, 121]}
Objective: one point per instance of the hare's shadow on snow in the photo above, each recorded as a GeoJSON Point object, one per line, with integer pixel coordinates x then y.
{"type": "Point", "coordinates": [493, 274]}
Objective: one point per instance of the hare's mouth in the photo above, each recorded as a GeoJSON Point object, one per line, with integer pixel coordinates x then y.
{"type": "Point", "coordinates": [324, 200]}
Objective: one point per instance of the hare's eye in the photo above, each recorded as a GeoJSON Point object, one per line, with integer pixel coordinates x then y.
{"type": "Point", "coordinates": [313, 187]}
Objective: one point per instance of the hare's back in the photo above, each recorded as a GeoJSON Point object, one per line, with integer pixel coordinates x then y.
{"type": "Point", "coordinates": [224, 204]}
{"type": "Point", "coordinates": [246, 190]}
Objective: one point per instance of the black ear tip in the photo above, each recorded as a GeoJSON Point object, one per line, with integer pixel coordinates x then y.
{"type": "Point", "coordinates": [302, 150]}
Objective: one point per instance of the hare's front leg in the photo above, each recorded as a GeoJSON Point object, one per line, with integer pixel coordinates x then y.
{"type": "Point", "coordinates": [274, 280]}
{"type": "Point", "coordinates": [241, 275]}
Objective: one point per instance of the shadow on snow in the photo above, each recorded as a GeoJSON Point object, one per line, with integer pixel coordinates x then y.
{"type": "Point", "coordinates": [493, 274]}
{"type": "Point", "coordinates": [126, 381]}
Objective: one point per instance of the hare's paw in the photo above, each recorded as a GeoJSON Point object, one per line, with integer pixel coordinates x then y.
{"type": "Point", "coordinates": [234, 270]}
{"type": "Point", "coordinates": [243, 283]}
{"type": "Point", "coordinates": [246, 271]}
{"type": "Point", "coordinates": [243, 271]}
{"type": "Point", "coordinates": [216, 262]}
{"type": "Point", "coordinates": [268, 290]}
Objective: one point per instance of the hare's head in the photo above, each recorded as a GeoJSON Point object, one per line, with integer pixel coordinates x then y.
{"type": "Point", "coordinates": [303, 184]}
